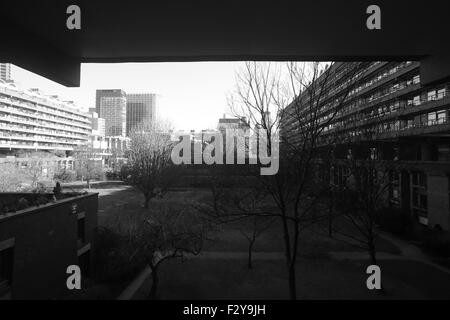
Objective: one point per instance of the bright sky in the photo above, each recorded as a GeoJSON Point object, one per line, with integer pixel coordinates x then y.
{"type": "Point", "coordinates": [192, 95]}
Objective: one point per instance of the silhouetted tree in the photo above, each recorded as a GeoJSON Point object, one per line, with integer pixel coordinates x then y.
{"type": "Point", "coordinates": [157, 236]}
{"type": "Point", "coordinates": [268, 96]}
{"type": "Point", "coordinates": [149, 166]}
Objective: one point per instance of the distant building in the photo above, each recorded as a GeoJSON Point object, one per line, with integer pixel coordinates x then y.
{"type": "Point", "coordinates": [97, 138]}
{"type": "Point", "coordinates": [98, 125]}
{"type": "Point", "coordinates": [32, 121]}
{"type": "Point", "coordinates": [233, 123]}
{"type": "Point", "coordinates": [111, 105]}
{"type": "Point", "coordinates": [5, 71]}
{"type": "Point", "coordinates": [231, 147]}
{"type": "Point", "coordinates": [141, 108]}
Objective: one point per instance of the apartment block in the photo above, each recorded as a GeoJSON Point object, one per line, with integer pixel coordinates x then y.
{"type": "Point", "coordinates": [32, 121]}
{"type": "Point", "coordinates": [383, 112]}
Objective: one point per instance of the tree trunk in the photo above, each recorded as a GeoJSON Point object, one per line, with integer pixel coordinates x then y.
{"type": "Point", "coordinates": [88, 181]}
{"type": "Point", "coordinates": [372, 252]}
{"type": "Point", "coordinates": [155, 283]}
{"type": "Point", "coordinates": [146, 202]}
{"type": "Point", "coordinates": [291, 267]}
{"type": "Point", "coordinates": [330, 223]}
{"type": "Point", "coordinates": [250, 248]}
{"type": "Point", "coordinates": [292, 283]}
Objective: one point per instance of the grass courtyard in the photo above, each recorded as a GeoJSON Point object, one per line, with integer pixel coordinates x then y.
{"type": "Point", "coordinates": [220, 271]}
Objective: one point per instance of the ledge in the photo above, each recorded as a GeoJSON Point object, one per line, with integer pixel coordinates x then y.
{"type": "Point", "coordinates": [36, 209]}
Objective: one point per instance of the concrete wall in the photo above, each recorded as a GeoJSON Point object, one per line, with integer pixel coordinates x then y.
{"type": "Point", "coordinates": [45, 244]}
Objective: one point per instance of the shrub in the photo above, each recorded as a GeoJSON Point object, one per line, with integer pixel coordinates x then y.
{"type": "Point", "coordinates": [113, 254]}
{"type": "Point", "coordinates": [394, 220]}
{"type": "Point", "coordinates": [436, 242]}
{"type": "Point", "coordinates": [112, 174]}
{"type": "Point", "coordinates": [65, 175]}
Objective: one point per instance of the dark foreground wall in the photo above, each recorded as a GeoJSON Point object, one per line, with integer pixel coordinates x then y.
{"type": "Point", "coordinates": [46, 240]}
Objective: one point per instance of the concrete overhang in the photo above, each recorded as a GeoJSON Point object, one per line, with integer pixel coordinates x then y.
{"type": "Point", "coordinates": [35, 36]}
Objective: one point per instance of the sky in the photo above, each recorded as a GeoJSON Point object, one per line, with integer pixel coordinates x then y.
{"type": "Point", "coordinates": [191, 95]}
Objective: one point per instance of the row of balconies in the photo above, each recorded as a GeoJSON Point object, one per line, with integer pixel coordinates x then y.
{"type": "Point", "coordinates": [42, 124]}
{"type": "Point", "coordinates": [387, 76]}
{"type": "Point", "coordinates": [356, 109]}
{"type": "Point", "coordinates": [7, 136]}
{"type": "Point", "coordinates": [35, 146]}
{"type": "Point", "coordinates": [84, 120]}
{"type": "Point", "coordinates": [399, 109]}
{"type": "Point", "coordinates": [40, 115]}
{"type": "Point", "coordinates": [383, 95]}
{"type": "Point", "coordinates": [11, 127]}
{"type": "Point", "coordinates": [330, 88]}
{"type": "Point", "coordinates": [33, 99]}
{"type": "Point", "coordinates": [80, 121]}
{"type": "Point", "coordinates": [380, 100]}
{"type": "Point", "coordinates": [396, 87]}
{"type": "Point", "coordinates": [41, 120]}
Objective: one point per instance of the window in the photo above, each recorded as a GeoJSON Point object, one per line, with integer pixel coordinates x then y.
{"type": "Point", "coordinates": [419, 179]}
{"type": "Point", "coordinates": [416, 79]}
{"type": "Point", "coordinates": [431, 118]}
{"type": "Point", "coordinates": [441, 93]}
{"type": "Point", "coordinates": [6, 266]}
{"type": "Point", "coordinates": [431, 95]}
{"type": "Point", "coordinates": [419, 203]}
{"type": "Point", "coordinates": [441, 117]}
{"type": "Point", "coordinates": [394, 187]}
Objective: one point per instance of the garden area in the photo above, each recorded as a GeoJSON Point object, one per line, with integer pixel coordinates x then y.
{"type": "Point", "coordinates": [328, 268]}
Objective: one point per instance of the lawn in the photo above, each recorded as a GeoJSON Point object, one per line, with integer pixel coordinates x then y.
{"type": "Point", "coordinates": [221, 272]}
{"type": "Point", "coordinates": [317, 278]}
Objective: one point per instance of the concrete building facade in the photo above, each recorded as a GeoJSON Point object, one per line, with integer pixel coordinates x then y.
{"type": "Point", "coordinates": [390, 116]}
{"type": "Point", "coordinates": [39, 243]}
{"type": "Point", "coordinates": [141, 108]}
{"type": "Point", "coordinates": [5, 71]}
{"type": "Point", "coordinates": [111, 105]}
{"type": "Point", "coordinates": [30, 120]}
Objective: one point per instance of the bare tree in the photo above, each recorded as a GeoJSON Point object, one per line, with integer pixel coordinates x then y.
{"type": "Point", "coordinates": [363, 196]}
{"type": "Point", "coordinates": [239, 208]}
{"type": "Point", "coordinates": [15, 177]}
{"type": "Point", "coordinates": [87, 167]}
{"type": "Point", "coordinates": [149, 166]}
{"type": "Point", "coordinates": [252, 228]}
{"type": "Point", "coordinates": [157, 236]}
{"type": "Point", "coordinates": [300, 98]}
{"type": "Point", "coordinates": [362, 182]}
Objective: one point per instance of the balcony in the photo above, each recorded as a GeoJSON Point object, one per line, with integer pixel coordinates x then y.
{"type": "Point", "coordinates": [41, 120]}
{"type": "Point", "coordinates": [418, 129]}
{"type": "Point", "coordinates": [20, 95]}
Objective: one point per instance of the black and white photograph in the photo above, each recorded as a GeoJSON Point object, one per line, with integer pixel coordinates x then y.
{"type": "Point", "coordinates": [237, 152]}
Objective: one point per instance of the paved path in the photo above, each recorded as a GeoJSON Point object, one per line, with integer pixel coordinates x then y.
{"type": "Point", "coordinates": [408, 252]}
{"type": "Point", "coordinates": [240, 255]}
